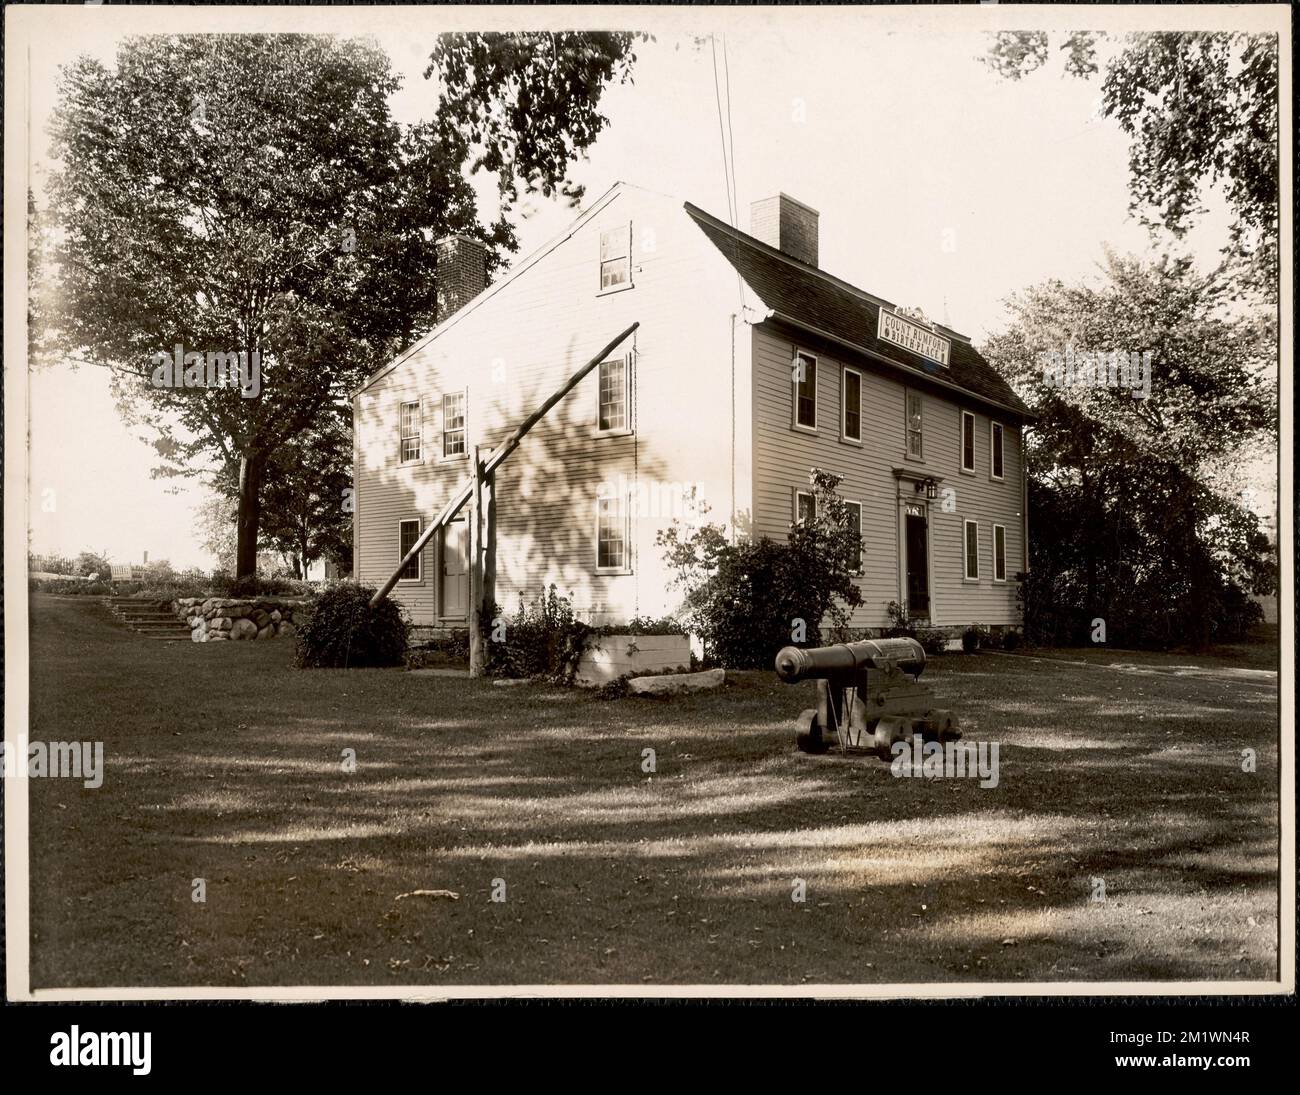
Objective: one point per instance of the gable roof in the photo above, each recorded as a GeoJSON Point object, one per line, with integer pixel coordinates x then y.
{"type": "Point", "coordinates": [490, 291]}
{"type": "Point", "coordinates": [808, 298]}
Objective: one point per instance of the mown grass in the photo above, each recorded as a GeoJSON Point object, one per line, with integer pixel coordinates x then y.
{"type": "Point", "coordinates": [223, 763]}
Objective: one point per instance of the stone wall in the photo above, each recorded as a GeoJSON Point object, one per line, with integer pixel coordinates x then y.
{"type": "Point", "coordinates": [218, 619]}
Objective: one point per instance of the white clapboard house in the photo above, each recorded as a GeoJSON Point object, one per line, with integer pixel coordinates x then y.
{"type": "Point", "coordinates": [750, 366]}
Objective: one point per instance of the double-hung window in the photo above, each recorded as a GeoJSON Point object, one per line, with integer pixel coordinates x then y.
{"type": "Point", "coordinates": [995, 450]}
{"type": "Point", "coordinates": [616, 257]}
{"type": "Point", "coordinates": [851, 419]}
{"type": "Point", "coordinates": [613, 533]}
{"type": "Point", "coordinates": [967, 441]}
{"type": "Point", "coordinates": [972, 543]}
{"type": "Point", "coordinates": [613, 411]}
{"type": "Point", "coordinates": [408, 432]}
{"type": "Point", "coordinates": [999, 553]}
{"type": "Point", "coordinates": [407, 533]}
{"type": "Point", "coordinates": [804, 376]}
{"type": "Point", "coordinates": [915, 445]}
{"type": "Point", "coordinates": [453, 424]}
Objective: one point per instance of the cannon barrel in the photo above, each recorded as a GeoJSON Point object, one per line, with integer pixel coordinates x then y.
{"type": "Point", "coordinates": [795, 664]}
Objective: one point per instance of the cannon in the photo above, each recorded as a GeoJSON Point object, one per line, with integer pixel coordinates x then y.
{"type": "Point", "coordinates": [869, 696]}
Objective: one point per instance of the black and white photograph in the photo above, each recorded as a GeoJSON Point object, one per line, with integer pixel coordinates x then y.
{"type": "Point", "coordinates": [648, 502]}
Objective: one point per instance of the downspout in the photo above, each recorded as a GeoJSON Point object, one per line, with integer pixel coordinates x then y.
{"type": "Point", "coordinates": [1024, 511]}
{"type": "Point", "coordinates": [733, 428]}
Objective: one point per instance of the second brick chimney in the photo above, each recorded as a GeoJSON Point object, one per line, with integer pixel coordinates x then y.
{"type": "Point", "coordinates": [462, 273]}
{"type": "Point", "coordinates": [786, 224]}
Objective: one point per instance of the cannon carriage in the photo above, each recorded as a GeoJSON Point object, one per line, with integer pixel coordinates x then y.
{"type": "Point", "coordinates": [869, 696]}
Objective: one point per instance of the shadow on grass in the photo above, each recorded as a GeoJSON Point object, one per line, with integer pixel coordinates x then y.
{"type": "Point", "coordinates": [226, 765]}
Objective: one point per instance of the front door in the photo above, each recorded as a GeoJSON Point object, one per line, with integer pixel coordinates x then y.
{"type": "Point", "coordinates": [453, 589]}
{"type": "Point", "coordinates": [917, 562]}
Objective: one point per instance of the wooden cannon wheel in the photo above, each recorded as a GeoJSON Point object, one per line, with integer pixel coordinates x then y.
{"type": "Point", "coordinates": [807, 734]}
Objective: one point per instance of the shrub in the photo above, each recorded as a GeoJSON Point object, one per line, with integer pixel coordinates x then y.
{"type": "Point", "coordinates": [748, 599]}
{"type": "Point", "coordinates": [642, 625]}
{"type": "Point", "coordinates": [973, 638]}
{"type": "Point", "coordinates": [1010, 640]}
{"type": "Point", "coordinates": [614, 690]}
{"type": "Point", "coordinates": [542, 639]}
{"type": "Point", "coordinates": [932, 640]}
{"type": "Point", "coordinates": [343, 630]}
{"type": "Point", "coordinates": [64, 587]}
{"type": "Point", "coordinates": [901, 625]}
{"type": "Point", "coordinates": [252, 585]}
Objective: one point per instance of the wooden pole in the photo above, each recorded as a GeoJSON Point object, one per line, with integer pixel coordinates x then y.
{"type": "Point", "coordinates": [462, 495]}
{"type": "Point", "coordinates": [477, 660]}
{"type": "Point", "coordinates": [489, 549]}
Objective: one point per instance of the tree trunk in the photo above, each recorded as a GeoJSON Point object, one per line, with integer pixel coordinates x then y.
{"type": "Point", "coordinates": [249, 514]}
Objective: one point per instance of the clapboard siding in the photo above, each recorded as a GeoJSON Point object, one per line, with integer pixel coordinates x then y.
{"type": "Point", "coordinates": [510, 351]}
{"type": "Point", "coordinates": [784, 455]}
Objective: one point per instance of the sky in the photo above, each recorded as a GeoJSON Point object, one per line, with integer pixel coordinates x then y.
{"type": "Point", "coordinates": [939, 186]}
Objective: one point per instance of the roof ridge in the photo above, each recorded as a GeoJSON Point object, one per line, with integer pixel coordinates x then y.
{"type": "Point", "coordinates": [695, 211]}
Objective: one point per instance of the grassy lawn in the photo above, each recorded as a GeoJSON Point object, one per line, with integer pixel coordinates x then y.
{"type": "Point", "coordinates": [223, 763]}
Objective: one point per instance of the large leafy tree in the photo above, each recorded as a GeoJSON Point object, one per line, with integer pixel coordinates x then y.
{"type": "Point", "coordinates": [1200, 110]}
{"type": "Point", "coordinates": [232, 194]}
{"type": "Point", "coordinates": [1134, 510]}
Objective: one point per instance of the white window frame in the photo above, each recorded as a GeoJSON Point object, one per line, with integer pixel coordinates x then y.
{"type": "Point", "coordinates": [799, 492]}
{"type": "Point", "coordinates": [844, 406]}
{"type": "Point", "coordinates": [463, 429]}
{"type": "Point", "coordinates": [616, 431]}
{"type": "Point", "coordinates": [996, 429]}
{"type": "Point", "coordinates": [1003, 530]}
{"type": "Point", "coordinates": [418, 522]}
{"type": "Point", "coordinates": [908, 393]}
{"type": "Point", "coordinates": [862, 547]}
{"type": "Point", "coordinates": [418, 404]}
{"type": "Point", "coordinates": [966, 526]}
{"type": "Point", "coordinates": [794, 392]}
{"type": "Point", "coordinates": [625, 503]}
{"type": "Point", "coordinates": [601, 261]}
{"type": "Point", "coordinates": [961, 442]}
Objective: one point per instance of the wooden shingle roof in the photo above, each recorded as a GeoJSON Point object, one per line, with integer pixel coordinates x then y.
{"type": "Point", "coordinates": [806, 297]}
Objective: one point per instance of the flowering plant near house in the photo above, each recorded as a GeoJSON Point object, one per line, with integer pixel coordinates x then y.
{"type": "Point", "coordinates": [749, 598]}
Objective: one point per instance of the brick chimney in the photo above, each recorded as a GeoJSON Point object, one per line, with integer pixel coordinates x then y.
{"type": "Point", "coordinates": [462, 273]}
{"type": "Point", "coordinates": [786, 224]}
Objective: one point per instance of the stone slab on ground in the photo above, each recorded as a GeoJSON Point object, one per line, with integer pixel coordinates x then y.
{"type": "Point", "coordinates": [672, 684]}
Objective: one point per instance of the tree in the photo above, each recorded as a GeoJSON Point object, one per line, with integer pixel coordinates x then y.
{"type": "Point", "coordinates": [526, 104]}
{"type": "Point", "coordinates": [1200, 109]}
{"type": "Point", "coordinates": [307, 508]}
{"type": "Point", "coordinates": [217, 192]}
{"type": "Point", "coordinates": [94, 562]}
{"type": "Point", "coordinates": [1132, 513]}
